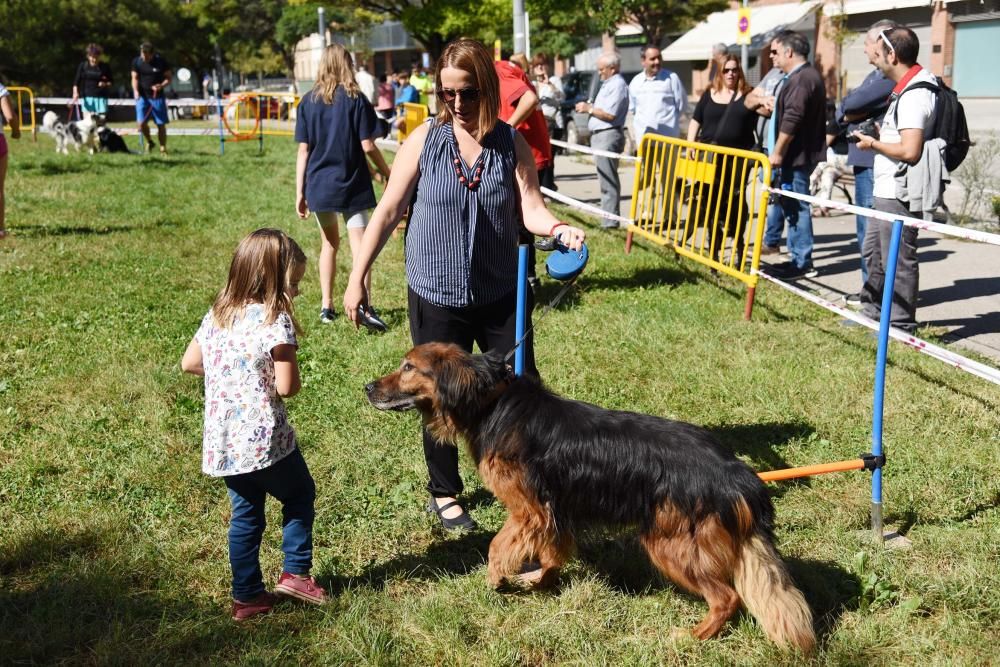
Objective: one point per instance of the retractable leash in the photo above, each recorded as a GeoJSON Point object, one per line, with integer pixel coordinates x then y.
{"type": "Point", "coordinates": [563, 264]}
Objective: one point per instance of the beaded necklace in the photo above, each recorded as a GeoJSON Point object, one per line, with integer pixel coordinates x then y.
{"type": "Point", "coordinates": [472, 183]}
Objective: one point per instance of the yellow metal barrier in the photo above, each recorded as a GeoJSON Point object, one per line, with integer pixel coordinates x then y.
{"type": "Point", "coordinates": [413, 116]}
{"type": "Point", "coordinates": [251, 114]}
{"type": "Point", "coordinates": [18, 95]}
{"type": "Point", "coordinates": [695, 197]}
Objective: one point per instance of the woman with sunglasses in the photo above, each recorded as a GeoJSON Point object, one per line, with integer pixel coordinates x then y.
{"type": "Point", "coordinates": [471, 179]}
{"type": "Point", "coordinates": [721, 118]}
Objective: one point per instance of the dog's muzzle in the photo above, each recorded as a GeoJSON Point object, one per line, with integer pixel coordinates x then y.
{"type": "Point", "coordinates": [379, 400]}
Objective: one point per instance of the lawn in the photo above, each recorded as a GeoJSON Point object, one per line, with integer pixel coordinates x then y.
{"type": "Point", "coordinates": [113, 547]}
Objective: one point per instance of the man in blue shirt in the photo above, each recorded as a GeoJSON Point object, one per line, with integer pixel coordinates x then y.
{"type": "Point", "coordinates": [405, 94]}
{"type": "Point", "coordinates": [868, 101]}
{"type": "Point", "coordinates": [656, 98]}
{"type": "Point", "coordinates": [607, 131]}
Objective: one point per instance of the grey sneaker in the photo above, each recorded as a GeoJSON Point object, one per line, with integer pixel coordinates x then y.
{"type": "Point", "coordinates": [853, 300]}
{"type": "Point", "coordinates": [327, 315]}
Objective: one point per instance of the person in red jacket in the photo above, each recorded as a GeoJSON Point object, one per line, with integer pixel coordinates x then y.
{"type": "Point", "coordinates": [519, 107]}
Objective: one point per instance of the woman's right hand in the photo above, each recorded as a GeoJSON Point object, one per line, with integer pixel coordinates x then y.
{"type": "Point", "coordinates": [301, 207]}
{"type": "Point", "coordinates": [354, 296]}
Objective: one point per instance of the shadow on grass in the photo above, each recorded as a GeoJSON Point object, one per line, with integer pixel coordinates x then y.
{"type": "Point", "coordinates": [641, 279]}
{"type": "Point", "coordinates": [73, 598]}
{"type": "Point", "coordinates": [38, 231]}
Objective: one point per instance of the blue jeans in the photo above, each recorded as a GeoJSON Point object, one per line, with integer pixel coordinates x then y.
{"type": "Point", "coordinates": [289, 481]}
{"type": "Point", "coordinates": [864, 185]}
{"type": "Point", "coordinates": [775, 225]}
{"type": "Point", "coordinates": [798, 214]}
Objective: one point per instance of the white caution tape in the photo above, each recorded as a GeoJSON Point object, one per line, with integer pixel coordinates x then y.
{"type": "Point", "coordinates": [594, 151]}
{"type": "Point", "coordinates": [130, 102]}
{"type": "Point", "coordinates": [588, 208]}
{"type": "Point", "coordinates": [952, 359]}
{"type": "Point", "coordinates": [947, 230]}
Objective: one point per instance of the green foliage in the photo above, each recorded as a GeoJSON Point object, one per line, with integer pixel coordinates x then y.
{"type": "Point", "coordinates": [659, 19]}
{"type": "Point", "coordinates": [43, 40]}
{"type": "Point", "coordinates": [995, 202]}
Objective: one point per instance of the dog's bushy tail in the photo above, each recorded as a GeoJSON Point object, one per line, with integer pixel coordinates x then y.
{"type": "Point", "coordinates": [49, 120]}
{"type": "Point", "coordinates": [770, 595]}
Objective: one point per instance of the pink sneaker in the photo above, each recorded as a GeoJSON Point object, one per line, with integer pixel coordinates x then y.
{"type": "Point", "coordinates": [261, 604]}
{"type": "Point", "coordinates": [301, 588]}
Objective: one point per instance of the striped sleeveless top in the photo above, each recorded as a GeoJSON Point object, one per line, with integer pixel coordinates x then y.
{"type": "Point", "coordinates": [461, 244]}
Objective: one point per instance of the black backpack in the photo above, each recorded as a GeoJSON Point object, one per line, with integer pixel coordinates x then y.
{"type": "Point", "coordinates": [949, 122]}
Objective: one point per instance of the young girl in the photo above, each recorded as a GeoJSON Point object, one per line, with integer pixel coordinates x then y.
{"type": "Point", "coordinates": [245, 349]}
{"type": "Point", "coordinates": [335, 128]}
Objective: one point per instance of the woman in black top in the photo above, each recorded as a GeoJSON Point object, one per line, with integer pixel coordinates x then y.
{"type": "Point", "coordinates": [721, 118]}
{"type": "Point", "coordinates": [92, 82]}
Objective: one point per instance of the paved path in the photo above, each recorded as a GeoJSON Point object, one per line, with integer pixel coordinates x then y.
{"type": "Point", "coordinates": [959, 287]}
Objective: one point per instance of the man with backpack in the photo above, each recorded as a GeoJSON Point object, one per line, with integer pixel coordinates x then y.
{"type": "Point", "coordinates": [911, 167]}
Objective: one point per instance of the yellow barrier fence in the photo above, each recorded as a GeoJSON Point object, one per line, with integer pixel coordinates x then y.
{"type": "Point", "coordinates": [252, 114]}
{"type": "Point", "coordinates": [22, 98]}
{"type": "Point", "coordinates": [413, 116]}
{"type": "Point", "coordinates": [707, 202]}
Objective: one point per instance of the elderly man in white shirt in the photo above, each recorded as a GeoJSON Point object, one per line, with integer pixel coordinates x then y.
{"type": "Point", "coordinates": [656, 98]}
{"type": "Point", "coordinates": [607, 131]}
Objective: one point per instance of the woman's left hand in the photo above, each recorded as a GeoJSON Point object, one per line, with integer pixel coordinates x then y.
{"type": "Point", "coordinates": [571, 237]}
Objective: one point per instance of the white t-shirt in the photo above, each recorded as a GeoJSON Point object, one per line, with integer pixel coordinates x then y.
{"type": "Point", "coordinates": [366, 82]}
{"type": "Point", "coordinates": [246, 425]}
{"type": "Point", "coordinates": [916, 111]}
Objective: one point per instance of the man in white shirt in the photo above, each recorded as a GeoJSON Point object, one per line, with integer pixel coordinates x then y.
{"type": "Point", "coordinates": [607, 131]}
{"type": "Point", "coordinates": [656, 98]}
{"type": "Point", "coordinates": [907, 124]}
{"type": "Point", "coordinates": [366, 82]}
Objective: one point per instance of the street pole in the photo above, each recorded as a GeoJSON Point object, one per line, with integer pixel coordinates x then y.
{"type": "Point", "coordinates": [745, 53]}
{"type": "Point", "coordinates": [322, 27]}
{"type": "Point", "coordinates": [518, 26]}
{"type": "Point", "coordinates": [527, 36]}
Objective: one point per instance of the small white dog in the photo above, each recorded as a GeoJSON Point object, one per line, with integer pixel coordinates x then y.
{"type": "Point", "coordinates": [78, 133]}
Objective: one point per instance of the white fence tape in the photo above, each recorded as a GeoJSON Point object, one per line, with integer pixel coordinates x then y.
{"type": "Point", "coordinates": [583, 206]}
{"type": "Point", "coordinates": [939, 353]}
{"type": "Point", "coordinates": [948, 230]}
{"type": "Point", "coordinates": [594, 151]}
{"type": "Point", "coordinates": [129, 102]}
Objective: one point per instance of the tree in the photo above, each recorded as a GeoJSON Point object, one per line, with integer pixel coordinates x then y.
{"type": "Point", "coordinates": [434, 23]}
{"type": "Point", "coordinates": [44, 40]}
{"type": "Point", "coordinates": [658, 20]}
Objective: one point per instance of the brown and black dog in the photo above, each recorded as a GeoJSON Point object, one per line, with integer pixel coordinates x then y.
{"type": "Point", "coordinates": [559, 465]}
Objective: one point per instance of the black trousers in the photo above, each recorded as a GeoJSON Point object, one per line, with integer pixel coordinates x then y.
{"type": "Point", "coordinates": [490, 327]}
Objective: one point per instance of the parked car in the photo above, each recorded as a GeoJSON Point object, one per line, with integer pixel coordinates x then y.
{"type": "Point", "coordinates": [580, 86]}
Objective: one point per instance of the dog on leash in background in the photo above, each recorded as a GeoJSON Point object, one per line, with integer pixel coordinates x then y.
{"type": "Point", "coordinates": [558, 466]}
{"type": "Point", "coordinates": [110, 140]}
{"type": "Point", "coordinates": [76, 133]}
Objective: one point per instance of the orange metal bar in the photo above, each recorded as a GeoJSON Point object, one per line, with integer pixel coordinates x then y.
{"type": "Point", "coordinates": [807, 471]}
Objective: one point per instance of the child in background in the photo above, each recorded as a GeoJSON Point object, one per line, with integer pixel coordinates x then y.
{"type": "Point", "coordinates": [245, 349]}
{"type": "Point", "coordinates": [10, 114]}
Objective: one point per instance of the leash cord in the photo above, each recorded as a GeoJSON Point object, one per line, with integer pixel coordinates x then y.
{"type": "Point", "coordinates": [551, 304]}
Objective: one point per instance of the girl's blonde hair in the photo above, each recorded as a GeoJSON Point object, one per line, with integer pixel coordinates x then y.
{"type": "Point", "coordinates": [336, 68]}
{"type": "Point", "coordinates": [474, 58]}
{"type": "Point", "coordinates": [260, 272]}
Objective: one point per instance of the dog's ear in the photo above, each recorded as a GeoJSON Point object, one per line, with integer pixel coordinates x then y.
{"type": "Point", "coordinates": [466, 380]}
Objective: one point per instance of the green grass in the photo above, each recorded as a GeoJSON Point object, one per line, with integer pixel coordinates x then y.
{"type": "Point", "coordinates": [112, 543]}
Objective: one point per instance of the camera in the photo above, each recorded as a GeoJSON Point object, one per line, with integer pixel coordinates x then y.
{"type": "Point", "coordinates": [866, 127]}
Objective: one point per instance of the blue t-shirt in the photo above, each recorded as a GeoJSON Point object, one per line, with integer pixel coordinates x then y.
{"type": "Point", "coordinates": [337, 178]}
{"type": "Point", "coordinates": [407, 94]}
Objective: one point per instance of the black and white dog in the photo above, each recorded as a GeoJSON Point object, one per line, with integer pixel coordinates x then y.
{"type": "Point", "coordinates": [76, 133]}
{"type": "Point", "coordinates": [110, 140]}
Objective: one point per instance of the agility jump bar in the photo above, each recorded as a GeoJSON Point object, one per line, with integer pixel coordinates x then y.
{"type": "Point", "coordinates": [866, 462]}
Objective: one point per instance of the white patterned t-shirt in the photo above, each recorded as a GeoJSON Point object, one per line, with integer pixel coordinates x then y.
{"type": "Point", "coordinates": [246, 425]}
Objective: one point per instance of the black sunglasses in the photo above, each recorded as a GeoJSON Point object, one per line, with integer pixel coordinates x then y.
{"type": "Point", "coordinates": [731, 70]}
{"type": "Point", "coordinates": [467, 94]}
{"type": "Point", "coordinates": [774, 52]}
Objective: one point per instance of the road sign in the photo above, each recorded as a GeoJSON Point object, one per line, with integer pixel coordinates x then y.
{"type": "Point", "coordinates": [743, 26]}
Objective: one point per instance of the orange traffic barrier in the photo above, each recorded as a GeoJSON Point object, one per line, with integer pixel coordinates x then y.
{"type": "Point", "coordinates": [806, 471]}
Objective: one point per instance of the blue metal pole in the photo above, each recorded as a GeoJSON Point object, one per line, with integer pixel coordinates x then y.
{"type": "Point", "coordinates": [218, 105]}
{"type": "Point", "coordinates": [883, 349]}
{"type": "Point", "coordinates": [522, 304]}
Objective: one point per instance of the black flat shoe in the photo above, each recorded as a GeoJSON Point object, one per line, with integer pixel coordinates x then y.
{"type": "Point", "coordinates": [461, 522]}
